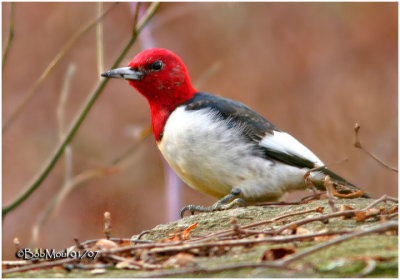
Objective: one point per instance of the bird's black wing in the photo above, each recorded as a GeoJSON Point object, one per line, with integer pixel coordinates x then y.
{"type": "Point", "coordinates": [255, 127]}
{"type": "Point", "coordinates": [237, 113]}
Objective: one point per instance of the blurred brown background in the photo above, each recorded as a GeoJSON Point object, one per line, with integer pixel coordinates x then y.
{"type": "Point", "coordinates": [311, 69]}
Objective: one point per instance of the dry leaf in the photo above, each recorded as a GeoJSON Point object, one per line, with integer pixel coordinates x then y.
{"type": "Point", "coordinates": [105, 244]}
{"type": "Point", "coordinates": [181, 234]}
{"type": "Point", "coordinates": [360, 216]}
{"type": "Point", "coordinates": [185, 234]}
{"type": "Point", "coordinates": [363, 215]}
{"type": "Point", "coordinates": [276, 254]}
{"type": "Point", "coordinates": [124, 243]}
{"type": "Point", "coordinates": [181, 260]}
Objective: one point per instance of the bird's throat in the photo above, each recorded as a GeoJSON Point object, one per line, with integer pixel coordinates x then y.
{"type": "Point", "coordinates": [159, 117]}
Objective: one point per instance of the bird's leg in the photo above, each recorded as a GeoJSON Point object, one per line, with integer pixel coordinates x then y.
{"type": "Point", "coordinates": [222, 204]}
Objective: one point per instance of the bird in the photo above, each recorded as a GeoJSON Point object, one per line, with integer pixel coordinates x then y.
{"type": "Point", "coordinates": [216, 145]}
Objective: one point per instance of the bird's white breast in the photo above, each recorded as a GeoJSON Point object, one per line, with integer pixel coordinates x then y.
{"type": "Point", "coordinates": [213, 158]}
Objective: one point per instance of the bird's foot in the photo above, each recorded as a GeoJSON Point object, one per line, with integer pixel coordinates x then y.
{"type": "Point", "coordinates": [222, 204]}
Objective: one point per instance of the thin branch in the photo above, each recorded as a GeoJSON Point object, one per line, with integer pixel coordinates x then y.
{"type": "Point", "coordinates": [304, 200]}
{"type": "Point", "coordinates": [78, 121]}
{"type": "Point", "coordinates": [99, 41]}
{"type": "Point", "coordinates": [326, 217]}
{"type": "Point", "coordinates": [329, 187]}
{"type": "Point", "coordinates": [10, 35]}
{"type": "Point", "coordinates": [318, 210]}
{"type": "Point", "coordinates": [380, 228]}
{"type": "Point", "coordinates": [39, 266]}
{"type": "Point", "coordinates": [50, 67]}
{"type": "Point", "coordinates": [369, 267]}
{"type": "Point", "coordinates": [143, 134]}
{"type": "Point", "coordinates": [229, 232]}
{"type": "Point", "coordinates": [115, 166]}
{"type": "Point", "coordinates": [214, 68]}
{"type": "Point", "coordinates": [136, 16]}
{"type": "Point", "coordinates": [357, 144]}
{"type": "Point", "coordinates": [68, 156]}
{"type": "Point", "coordinates": [238, 242]}
{"type": "Point", "coordinates": [381, 199]}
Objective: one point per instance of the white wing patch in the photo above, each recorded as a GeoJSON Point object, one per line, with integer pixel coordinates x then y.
{"type": "Point", "coordinates": [285, 143]}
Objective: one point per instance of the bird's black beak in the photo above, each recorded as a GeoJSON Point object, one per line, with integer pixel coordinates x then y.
{"type": "Point", "coordinates": [126, 73]}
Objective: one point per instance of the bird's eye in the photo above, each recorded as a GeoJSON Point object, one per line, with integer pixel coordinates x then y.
{"type": "Point", "coordinates": [156, 65]}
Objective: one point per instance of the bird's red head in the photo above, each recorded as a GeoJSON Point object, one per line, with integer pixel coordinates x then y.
{"type": "Point", "coordinates": [162, 78]}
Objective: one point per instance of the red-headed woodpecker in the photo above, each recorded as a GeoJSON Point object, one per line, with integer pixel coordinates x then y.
{"type": "Point", "coordinates": [216, 145]}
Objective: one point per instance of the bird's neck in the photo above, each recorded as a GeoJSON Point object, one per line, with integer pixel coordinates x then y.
{"type": "Point", "coordinates": [163, 105]}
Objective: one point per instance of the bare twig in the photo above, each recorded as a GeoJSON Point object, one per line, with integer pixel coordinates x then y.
{"type": "Point", "coordinates": [307, 178]}
{"type": "Point", "coordinates": [233, 242]}
{"type": "Point", "coordinates": [136, 16]}
{"type": "Point", "coordinates": [10, 34]}
{"type": "Point", "coordinates": [329, 187]}
{"type": "Point", "coordinates": [99, 41]}
{"type": "Point", "coordinates": [214, 68]}
{"type": "Point", "coordinates": [369, 267]}
{"type": "Point", "coordinates": [304, 200]}
{"type": "Point", "coordinates": [65, 91]}
{"type": "Point", "coordinates": [318, 210]}
{"type": "Point", "coordinates": [45, 74]}
{"type": "Point", "coordinates": [324, 218]}
{"type": "Point", "coordinates": [229, 232]}
{"type": "Point", "coordinates": [43, 217]}
{"type": "Point", "coordinates": [143, 233]}
{"type": "Point", "coordinates": [76, 124]}
{"type": "Point", "coordinates": [39, 266]}
{"type": "Point", "coordinates": [122, 158]}
{"type": "Point", "coordinates": [107, 224]}
{"type": "Point", "coordinates": [357, 144]}
{"type": "Point", "coordinates": [381, 199]}
{"type": "Point", "coordinates": [78, 180]}
{"type": "Point", "coordinates": [278, 203]}
{"type": "Point", "coordinates": [7, 264]}
{"type": "Point", "coordinates": [87, 243]}
{"type": "Point", "coordinates": [380, 228]}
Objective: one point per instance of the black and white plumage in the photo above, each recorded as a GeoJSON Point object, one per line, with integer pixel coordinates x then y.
{"type": "Point", "coordinates": [217, 144]}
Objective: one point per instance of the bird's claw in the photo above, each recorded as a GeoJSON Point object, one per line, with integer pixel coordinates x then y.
{"type": "Point", "coordinates": [218, 206]}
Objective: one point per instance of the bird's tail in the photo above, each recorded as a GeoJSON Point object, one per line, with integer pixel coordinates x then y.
{"type": "Point", "coordinates": [341, 185]}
